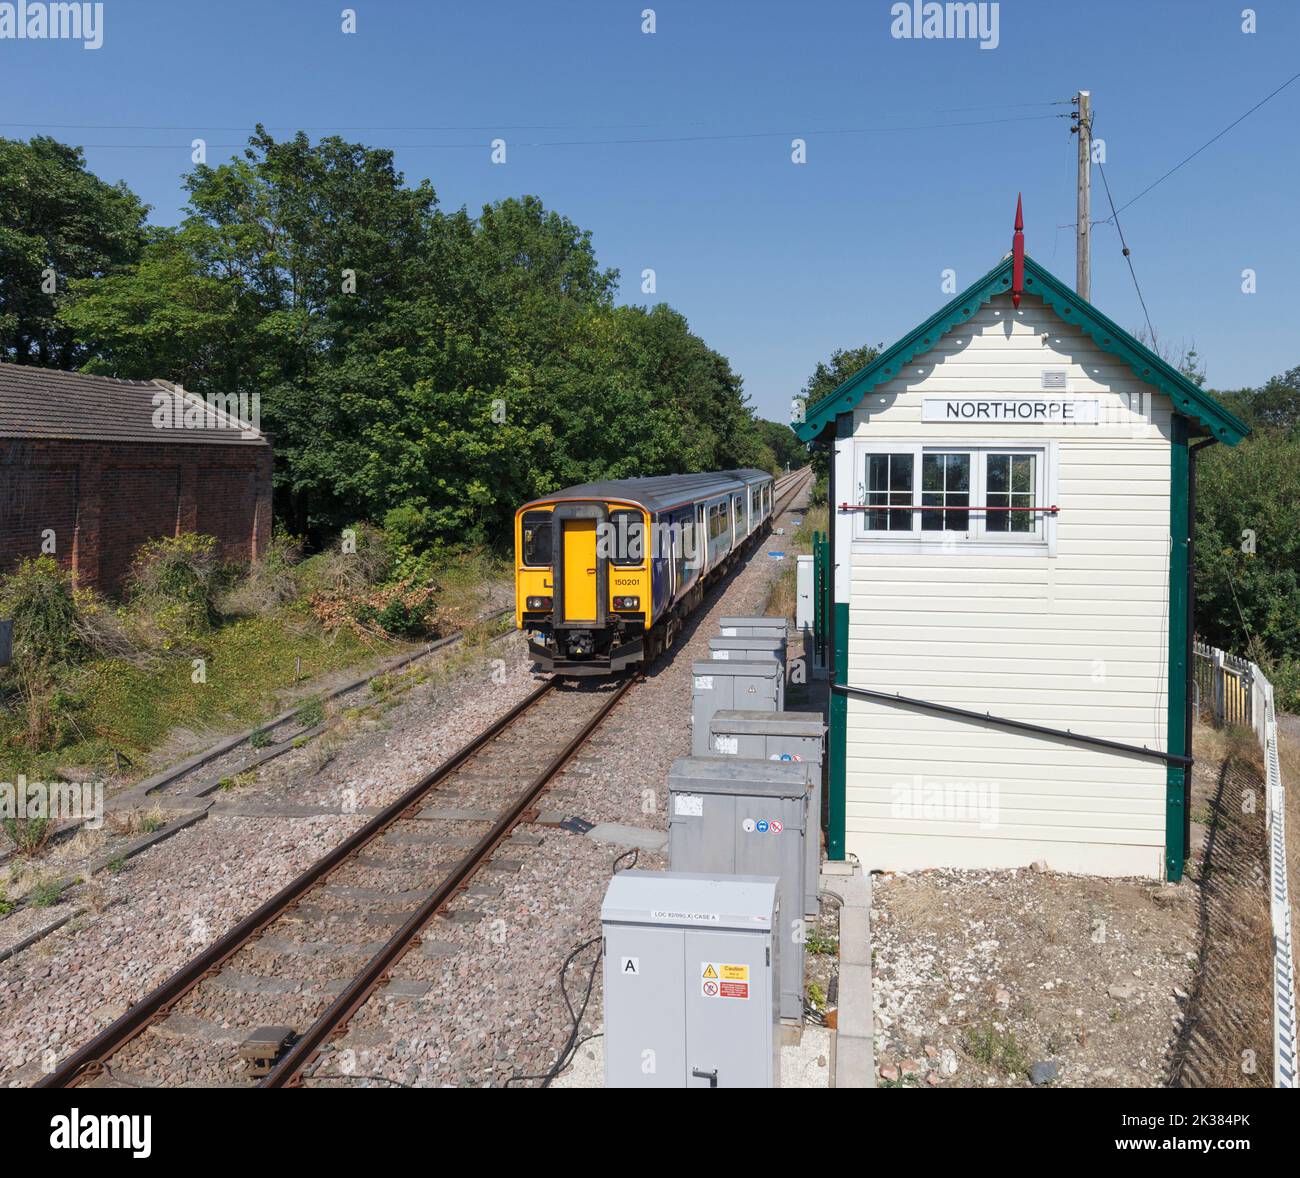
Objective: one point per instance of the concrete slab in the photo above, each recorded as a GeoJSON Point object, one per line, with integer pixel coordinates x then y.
{"type": "Point", "coordinates": [622, 835]}
{"type": "Point", "coordinates": [807, 1065]}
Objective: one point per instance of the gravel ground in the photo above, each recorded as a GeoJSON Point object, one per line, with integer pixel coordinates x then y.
{"type": "Point", "coordinates": [979, 975]}
{"type": "Point", "coordinates": [171, 900]}
{"type": "Point", "coordinates": [479, 1002]}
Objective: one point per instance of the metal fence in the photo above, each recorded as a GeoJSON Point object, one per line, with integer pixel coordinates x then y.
{"type": "Point", "coordinates": [1224, 687]}
{"type": "Point", "coordinates": [1232, 690]}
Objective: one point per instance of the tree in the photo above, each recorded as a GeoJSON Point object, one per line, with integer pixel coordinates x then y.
{"type": "Point", "coordinates": [825, 379]}
{"type": "Point", "coordinates": [58, 223]}
{"type": "Point", "coordinates": [781, 440]}
{"type": "Point", "coordinates": [429, 370]}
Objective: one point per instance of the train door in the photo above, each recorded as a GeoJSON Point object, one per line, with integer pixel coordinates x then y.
{"type": "Point", "coordinates": [578, 543]}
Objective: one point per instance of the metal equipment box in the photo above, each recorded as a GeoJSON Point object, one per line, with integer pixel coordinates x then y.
{"type": "Point", "coordinates": [689, 967]}
{"type": "Point", "coordinates": [719, 684]}
{"type": "Point", "coordinates": [728, 815]}
{"type": "Point", "coordinates": [782, 736]}
{"type": "Point", "coordinates": [754, 627]}
{"type": "Point", "coordinates": [752, 650]}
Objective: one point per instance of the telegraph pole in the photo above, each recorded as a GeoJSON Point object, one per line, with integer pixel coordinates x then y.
{"type": "Point", "coordinates": [1083, 245]}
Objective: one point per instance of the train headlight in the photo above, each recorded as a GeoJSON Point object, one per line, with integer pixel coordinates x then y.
{"type": "Point", "coordinates": [627, 603]}
{"type": "Point", "coordinates": [538, 603]}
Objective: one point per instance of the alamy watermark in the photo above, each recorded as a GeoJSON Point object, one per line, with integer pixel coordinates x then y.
{"type": "Point", "coordinates": [28, 20]}
{"type": "Point", "coordinates": [55, 801]}
{"type": "Point", "coordinates": [926, 20]}
{"type": "Point", "coordinates": [972, 802]}
{"type": "Point", "coordinates": [174, 408]}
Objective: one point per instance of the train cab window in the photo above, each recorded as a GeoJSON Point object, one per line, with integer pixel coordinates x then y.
{"type": "Point", "coordinates": [538, 529]}
{"type": "Point", "coordinates": [627, 540]}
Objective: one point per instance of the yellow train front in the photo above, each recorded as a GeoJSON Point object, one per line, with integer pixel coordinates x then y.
{"type": "Point", "coordinates": [606, 572]}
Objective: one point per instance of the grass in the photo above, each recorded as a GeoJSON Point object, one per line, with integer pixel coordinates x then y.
{"type": "Point", "coordinates": [783, 594]}
{"type": "Point", "coordinates": [6, 905]}
{"type": "Point", "coordinates": [996, 1047]}
{"type": "Point", "coordinates": [45, 893]}
{"type": "Point", "coordinates": [249, 664]}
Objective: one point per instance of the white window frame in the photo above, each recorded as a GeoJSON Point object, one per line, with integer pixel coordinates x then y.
{"type": "Point", "coordinates": [976, 538]}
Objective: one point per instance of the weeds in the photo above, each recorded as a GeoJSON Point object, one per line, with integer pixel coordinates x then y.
{"type": "Point", "coordinates": [29, 835]}
{"type": "Point", "coordinates": [46, 893]}
{"type": "Point", "coordinates": [997, 1048]}
{"type": "Point", "coordinates": [312, 712]}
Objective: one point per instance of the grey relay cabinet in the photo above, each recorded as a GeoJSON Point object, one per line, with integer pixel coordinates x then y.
{"type": "Point", "coordinates": [752, 650]}
{"type": "Point", "coordinates": [689, 968]}
{"type": "Point", "coordinates": [782, 736]}
{"type": "Point", "coordinates": [719, 684]}
{"type": "Point", "coordinates": [753, 628]}
{"type": "Point", "coordinates": [728, 815]}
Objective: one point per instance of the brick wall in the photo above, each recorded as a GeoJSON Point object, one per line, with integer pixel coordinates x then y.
{"type": "Point", "coordinates": [101, 501]}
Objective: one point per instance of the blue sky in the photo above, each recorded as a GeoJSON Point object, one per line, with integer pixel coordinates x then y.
{"type": "Point", "coordinates": [775, 264]}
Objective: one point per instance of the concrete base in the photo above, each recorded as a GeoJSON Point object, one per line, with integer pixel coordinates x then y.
{"type": "Point", "coordinates": [854, 1039]}
{"type": "Point", "coordinates": [806, 1064]}
{"type": "Point", "coordinates": [629, 836]}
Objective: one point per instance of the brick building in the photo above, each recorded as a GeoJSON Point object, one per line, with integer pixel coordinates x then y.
{"type": "Point", "coordinates": [92, 467]}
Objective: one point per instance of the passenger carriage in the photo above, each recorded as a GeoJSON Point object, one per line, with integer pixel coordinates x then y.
{"type": "Point", "coordinates": [606, 572]}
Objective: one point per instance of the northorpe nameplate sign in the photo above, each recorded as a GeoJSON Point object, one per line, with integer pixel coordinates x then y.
{"type": "Point", "coordinates": [1011, 410]}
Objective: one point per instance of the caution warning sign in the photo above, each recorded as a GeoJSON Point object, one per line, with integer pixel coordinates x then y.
{"type": "Point", "coordinates": [719, 979]}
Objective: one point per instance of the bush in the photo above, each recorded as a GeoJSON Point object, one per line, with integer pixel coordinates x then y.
{"type": "Point", "coordinates": [175, 578]}
{"type": "Point", "coordinates": [401, 609]}
{"type": "Point", "coordinates": [29, 835]}
{"type": "Point", "coordinates": [359, 557]}
{"type": "Point", "coordinates": [38, 596]}
{"type": "Point", "coordinates": [270, 582]}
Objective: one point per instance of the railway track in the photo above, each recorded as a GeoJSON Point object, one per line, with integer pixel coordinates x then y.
{"type": "Point", "coordinates": [240, 978]}
{"type": "Point", "coordinates": [400, 847]}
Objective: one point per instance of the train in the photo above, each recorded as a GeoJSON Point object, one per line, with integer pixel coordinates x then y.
{"type": "Point", "coordinates": [606, 572]}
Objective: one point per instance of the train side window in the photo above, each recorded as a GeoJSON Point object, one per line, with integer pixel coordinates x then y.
{"type": "Point", "coordinates": [538, 529]}
{"type": "Point", "coordinates": [628, 540]}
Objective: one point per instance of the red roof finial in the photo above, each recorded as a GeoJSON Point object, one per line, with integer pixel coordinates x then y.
{"type": "Point", "coordinates": [1018, 256]}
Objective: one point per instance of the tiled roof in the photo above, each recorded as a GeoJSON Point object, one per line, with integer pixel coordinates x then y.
{"type": "Point", "coordinates": [48, 403]}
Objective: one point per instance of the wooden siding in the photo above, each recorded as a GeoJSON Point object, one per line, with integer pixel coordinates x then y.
{"type": "Point", "coordinates": [1074, 640]}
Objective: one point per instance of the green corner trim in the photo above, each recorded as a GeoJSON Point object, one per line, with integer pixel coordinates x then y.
{"type": "Point", "coordinates": [1179, 532]}
{"type": "Point", "coordinates": [1187, 397]}
{"type": "Point", "coordinates": [837, 753]}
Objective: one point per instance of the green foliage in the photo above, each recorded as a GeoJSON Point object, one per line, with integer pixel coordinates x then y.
{"type": "Point", "coordinates": [996, 1047]}
{"type": "Point", "coordinates": [1248, 547]}
{"type": "Point", "coordinates": [45, 893]}
{"type": "Point", "coordinates": [786, 448]}
{"type": "Point", "coordinates": [29, 835]}
{"type": "Point", "coordinates": [38, 596]}
{"type": "Point", "coordinates": [58, 223]}
{"type": "Point", "coordinates": [844, 362]}
{"type": "Point", "coordinates": [6, 905]}
{"type": "Point", "coordinates": [826, 378]}
{"type": "Point", "coordinates": [470, 364]}
{"type": "Point", "coordinates": [175, 578]}
{"type": "Point", "coordinates": [311, 713]}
